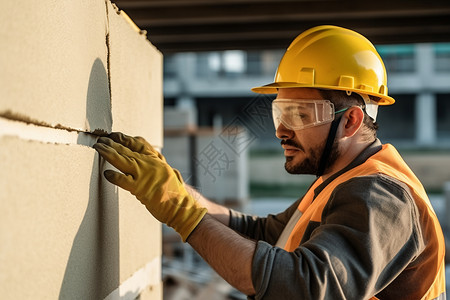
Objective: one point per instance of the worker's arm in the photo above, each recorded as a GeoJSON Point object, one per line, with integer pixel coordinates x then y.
{"type": "Point", "coordinates": [257, 228]}
{"type": "Point", "coordinates": [220, 212]}
{"type": "Point", "coordinates": [146, 174]}
{"type": "Point", "coordinates": [226, 251]}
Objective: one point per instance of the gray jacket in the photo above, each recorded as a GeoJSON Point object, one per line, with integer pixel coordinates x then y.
{"type": "Point", "coordinates": [367, 243]}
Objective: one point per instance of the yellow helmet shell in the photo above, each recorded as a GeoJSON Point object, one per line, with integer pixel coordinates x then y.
{"type": "Point", "coordinates": [331, 57]}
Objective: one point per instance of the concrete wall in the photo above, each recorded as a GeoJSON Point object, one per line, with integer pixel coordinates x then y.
{"type": "Point", "coordinates": [69, 67]}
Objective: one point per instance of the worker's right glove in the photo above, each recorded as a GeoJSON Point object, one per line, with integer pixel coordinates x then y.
{"type": "Point", "coordinates": [147, 175]}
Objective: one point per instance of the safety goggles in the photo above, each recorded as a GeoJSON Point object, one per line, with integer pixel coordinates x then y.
{"type": "Point", "coordinates": [301, 114]}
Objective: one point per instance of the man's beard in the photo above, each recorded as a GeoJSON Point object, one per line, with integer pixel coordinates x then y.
{"type": "Point", "coordinates": [310, 165]}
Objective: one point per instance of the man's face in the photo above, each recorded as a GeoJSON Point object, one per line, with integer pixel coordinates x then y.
{"type": "Point", "coordinates": [303, 148]}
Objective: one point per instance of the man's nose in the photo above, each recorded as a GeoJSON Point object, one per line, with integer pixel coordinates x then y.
{"type": "Point", "coordinates": [283, 133]}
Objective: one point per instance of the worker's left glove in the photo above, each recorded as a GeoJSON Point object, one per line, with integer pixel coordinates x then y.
{"type": "Point", "coordinates": [147, 175]}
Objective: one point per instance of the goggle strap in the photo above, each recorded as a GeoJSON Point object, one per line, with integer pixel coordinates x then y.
{"type": "Point", "coordinates": [339, 111]}
{"type": "Point", "coordinates": [328, 146]}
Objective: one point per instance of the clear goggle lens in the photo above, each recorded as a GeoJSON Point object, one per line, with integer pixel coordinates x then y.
{"type": "Point", "coordinates": [301, 114]}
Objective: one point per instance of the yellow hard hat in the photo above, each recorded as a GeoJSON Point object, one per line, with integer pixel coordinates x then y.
{"type": "Point", "coordinates": [331, 57]}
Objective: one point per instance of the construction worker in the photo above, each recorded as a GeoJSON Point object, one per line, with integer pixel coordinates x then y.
{"type": "Point", "coordinates": [365, 229]}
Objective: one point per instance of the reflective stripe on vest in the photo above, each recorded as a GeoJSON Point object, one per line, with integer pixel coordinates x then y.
{"type": "Point", "coordinates": [386, 161]}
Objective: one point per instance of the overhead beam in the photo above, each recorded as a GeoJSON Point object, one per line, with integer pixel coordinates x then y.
{"type": "Point", "coordinates": [200, 25]}
{"type": "Point", "coordinates": [150, 13]}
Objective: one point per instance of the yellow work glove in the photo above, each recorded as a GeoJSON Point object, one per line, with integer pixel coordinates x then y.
{"type": "Point", "coordinates": [147, 175]}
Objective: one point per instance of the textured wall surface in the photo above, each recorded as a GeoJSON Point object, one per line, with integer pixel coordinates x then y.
{"type": "Point", "coordinates": [70, 70]}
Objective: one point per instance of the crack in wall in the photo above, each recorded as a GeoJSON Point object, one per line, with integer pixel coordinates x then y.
{"type": "Point", "coordinates": [14, 116]}
{"type": "Point", "coordinates": [8, 114]}
{"type": "Point", "coordinates": [27, 128]}
{"type": "Point", "coordinates": [108, 54]}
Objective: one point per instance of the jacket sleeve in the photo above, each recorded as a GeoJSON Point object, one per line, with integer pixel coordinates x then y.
{"type": "Point", "coordinates": [368, 234]}
{"type": "Point", "coordinates": [266, 229]}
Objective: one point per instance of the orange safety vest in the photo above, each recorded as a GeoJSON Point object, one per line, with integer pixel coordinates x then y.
{"type": "Point", "coordinates": [389, 162]}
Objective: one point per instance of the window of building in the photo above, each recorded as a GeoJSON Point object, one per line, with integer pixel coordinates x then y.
{"type": "Point", "coordinates": [397, 121]}
{"type": "Point", "coordinates": [270, 59]}
{"type": "Point", "coordinates": [443, 116]}
{"type": "Point", "coordinates": [234, 62]}
{"type": "Point", "coordinates": [169, 66]}
{"type": "Point", "coordinates": [205, 65]}
{"type": "Point", "coordinates": [221, 64]}
{"type": "Point", "coordinates": [254, 64]}
{"type": "Point", "coordinates": [398, 58]}
{"type": "Point", "coordinates": [442, 57]}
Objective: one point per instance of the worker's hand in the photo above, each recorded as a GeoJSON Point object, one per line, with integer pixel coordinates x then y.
{"type": "Point", "coordinates": [147, 175]}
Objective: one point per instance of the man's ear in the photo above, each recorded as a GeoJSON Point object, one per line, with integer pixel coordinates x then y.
{"type": "Point", "coordinates": [352, 119]}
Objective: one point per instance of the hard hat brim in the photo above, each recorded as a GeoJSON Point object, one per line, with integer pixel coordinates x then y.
{"type": "Point", "coordinates": [272, 88]}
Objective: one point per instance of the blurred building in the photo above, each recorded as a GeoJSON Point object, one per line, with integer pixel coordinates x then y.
{"type": "Point", "coordinates": [215, 86]}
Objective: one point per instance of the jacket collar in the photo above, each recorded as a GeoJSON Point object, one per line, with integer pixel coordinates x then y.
{"type": "Point", "coordinates": [361, 158]}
